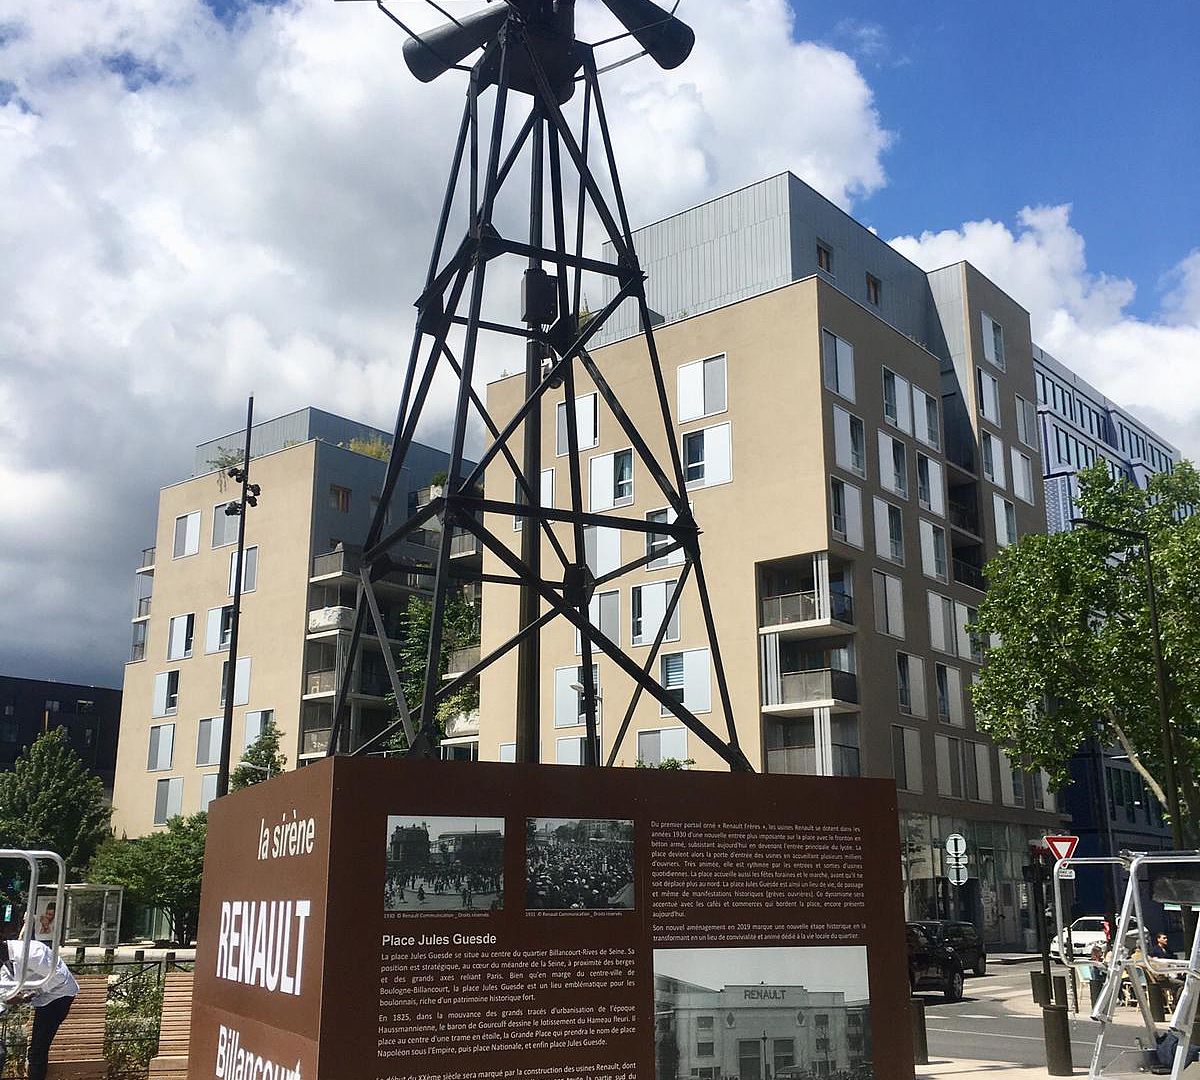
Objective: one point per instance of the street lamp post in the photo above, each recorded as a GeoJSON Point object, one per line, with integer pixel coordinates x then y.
{"type": "Point", "coordinates": [249, 497]}
{"type": "Point", "coordinates": [1160, 674]}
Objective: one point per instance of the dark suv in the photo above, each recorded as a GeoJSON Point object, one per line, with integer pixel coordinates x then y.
{"type": "Point", "coordinates": [963, 938]}
{"type": "Point", "coordinates": [933, 965]}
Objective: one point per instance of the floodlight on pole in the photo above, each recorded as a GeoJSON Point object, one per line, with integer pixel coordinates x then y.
{"type": "Point", "coordinates": [1142, 539]}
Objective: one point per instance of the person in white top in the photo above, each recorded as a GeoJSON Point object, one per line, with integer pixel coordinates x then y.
{"type": "Point", "coordinates": [51, 1001]}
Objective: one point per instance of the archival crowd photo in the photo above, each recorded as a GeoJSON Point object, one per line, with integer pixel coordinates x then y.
{"type": "Point", "coordinates": [444, 864]}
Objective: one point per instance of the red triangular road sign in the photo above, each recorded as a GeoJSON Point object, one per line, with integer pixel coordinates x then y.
{"type": "Point", "coordinates": [1061, 847]}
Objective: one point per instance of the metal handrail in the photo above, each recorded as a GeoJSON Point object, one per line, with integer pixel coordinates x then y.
{"type": "Point", "coordinates": [33, 857]}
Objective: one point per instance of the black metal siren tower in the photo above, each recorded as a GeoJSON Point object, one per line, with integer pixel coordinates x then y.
{"type": "Point", "coordinates": [529, 48]}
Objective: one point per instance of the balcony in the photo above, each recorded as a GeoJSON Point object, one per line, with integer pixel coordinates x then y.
{"type": "Point", "coordinates": [464, 543]}
{"type": "Point", "coordinates": [797, 615]}
{"type": "Point", "coordinates": [463, 725]}
{"type": "Point", "coordinates": [348, 562]}
{"type": "Point", "coordinates": [966, 573]}
{"type": "Point", "coordinates": [314, 741]}
{"type": "Point", "coordinates": [802, 691]}
{"type": "Point", "coordinates": [142, 608]}
{"type": "Point", "coordinates": [137, 652]}
{"type": "Point", "coordinates": [965, 517]}
{"type": "Point", "coordinates": [461, 660]}
{"type": "Point", "coordinates": [146, 566]}
{"type": "Point", "coordinates": [374, 684]}
{"type": "Point", "coordinates": [320, 682]}
{"type": "Point", "coordinates": [324, 619]}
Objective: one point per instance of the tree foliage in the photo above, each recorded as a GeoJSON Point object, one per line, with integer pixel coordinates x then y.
{"type": "Point", "coordinates": [262, 759]}
{"type": "Point", "coordinates": [374, 447]}
{"type": "Point", "coordinates": [1071, 655]}
{"type": "Point", "coordinates": [49, 800]}
{"type": "Point", "coordinates": [161, 870]}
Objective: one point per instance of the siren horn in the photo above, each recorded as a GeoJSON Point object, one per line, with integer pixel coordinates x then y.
{"type": "Point", "coordinates": [667, 40]}
{"type": "Point", "coordinates": [435, 52]}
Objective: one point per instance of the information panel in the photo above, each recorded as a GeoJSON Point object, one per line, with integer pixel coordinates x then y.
{"type": "Point", "coordinates": [366, 918]}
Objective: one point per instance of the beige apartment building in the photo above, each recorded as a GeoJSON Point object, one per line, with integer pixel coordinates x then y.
{"type": "Point", "coordinates": [299, 583]}
{"type": "Point", "coordinates": [858, 439]}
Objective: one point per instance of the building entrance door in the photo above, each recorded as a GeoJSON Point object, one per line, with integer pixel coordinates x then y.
{"type": "Point", "coordinates": [750, 1059]}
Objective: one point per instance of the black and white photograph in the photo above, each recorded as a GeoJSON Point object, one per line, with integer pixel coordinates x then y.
{"type": "Point", "coordinates": [579, 864]}
{"type": "Point", "coordinates": [444, 864]}
{"type": "Point", "coordinates": [793, 1013]}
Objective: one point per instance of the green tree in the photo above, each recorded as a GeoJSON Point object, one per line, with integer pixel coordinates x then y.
{"type": "Point", "coordinates": [1071, 654]}
{"type": "Point", "coordinates": [161, 870]}
{"type": "Point", "coordinates": [262, 759]}
{"type": "Point", "coordinates": [49, 800]}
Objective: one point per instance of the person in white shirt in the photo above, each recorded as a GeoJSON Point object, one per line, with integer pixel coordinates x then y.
{"type": "Point", "coordinates": [51, 1001]}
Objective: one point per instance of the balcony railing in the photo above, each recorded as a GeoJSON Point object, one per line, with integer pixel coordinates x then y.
{"type": "Point", "coordinates": [464, 543]}
{"type": "Point", "coordinates": [137, 652]}
{"type": "Point", "coordinates": [462, 659]}
{"type": "Point", "coordinates": [143, 607]}
{"type": "Point", "coordinates": [802, 760]}
{"type": "Point", "coordinates": [321, 682]}
{"type": "Point", "coordinates": [375, 684]}
{"type": "Point", "coordinates": [349, 561]}
{"type": "Point", "coordinates": [148, 555]}
{"type": "Point", "coordinates": [802, 607]}
{"type": "Point", "coordinates": [967, 574]}
{"type": "Point", "coordinates": [822, 684]}
{"type": "Point", "coordinates": [314, 740]}
{"type": "Point", "coordinates": [330, 618]}
{"type": "Point", "coordinates": [964, 517]}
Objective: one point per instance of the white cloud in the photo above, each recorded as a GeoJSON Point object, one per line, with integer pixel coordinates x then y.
{"type": "Point", "coordinates": [192, 210]}
{"type": "Point", "coordinates": [1150, 366]}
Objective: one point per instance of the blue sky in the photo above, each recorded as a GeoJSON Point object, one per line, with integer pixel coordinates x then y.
{"type": "Point", "coordinates": [998, 106]}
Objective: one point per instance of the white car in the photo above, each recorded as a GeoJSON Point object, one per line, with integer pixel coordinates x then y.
{"type": "Point", "coordinates": [1086, 931]}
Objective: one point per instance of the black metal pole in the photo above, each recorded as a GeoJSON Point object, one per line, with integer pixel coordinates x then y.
{"type": "Point", "coordinates": [529, 658]}
{"type": "Point", "coordinates": [235, 622]}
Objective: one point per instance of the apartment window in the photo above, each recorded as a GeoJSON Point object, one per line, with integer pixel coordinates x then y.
{"type": "Point", "coordinates": [931, 486]}
{"type": "Point", "coordinates": [906, 759]}
{"type": "Point", "coordinates": [255, 722]}
{"type": "Point", "coordinates": [507, 752]}
{"type": "Point", "coordinates": [656, 542]}
{"type": "Point", "coordinates": [889, 532]}
{"type": "Point", "coordinates": [941, 683]}
{"type": "Point", "coordinates": [162, 747]}
{"type": "Point", "coordinates": [925, 414]}
{"type": "Point", "coordinates": [1027, 422]}
{"type": "Point", "coordinates": [604, 613]}
{"type": "Point", "coordinates": [187, 534]}
{"type": "Point", "coordinates": [249, 570]}
{"type": "Point", "coordinates": [168, 799]}
{"type": "Point", "coordinates": [910, 684]}
{"type": "Point", "coordinates": [1006, 521]}
{"type": "Point", "coordinates": [933, 551]}
{"type": "Point", "coordinates": [845, 503]}
{"type": "Point", "coordinates": [339, 498]}
{"type": "Point", "coordinates": [208, 789]}
{"type": "Point", "coordinates": [610, 480]}
{"type": "Point", "coordinates": [889, 604]}
{"type": "Point", "coordinates": [989, 396]}
{"type": "Point", "coordinates": [897, 401]}
{"type": "Point", "coordinates": [166, 693]}
{"type": "Point", "coordinates": [991, 451]}
{"type": "Point", "coordinates": [700, 389]}
{"type": "Point", "coordinates": [824, 258]}
{"type": "Point", "coordinates": [970, 645]}
{"type": "Point", "coordinates": [849, 442]}
{"type": "Point", "coordinates": [208, 741]}
{"type": "Point", "coordinates": [837, 358]}
{"type": "Point", "coordinates": [546, 495]}
{"type": "Point", "coordinates": [218, 628]}
{"type": "Point", "coordinates": [704, 1049]}
{"type": "Point", "coordinates": [568, 695]}
{"type": "Point", "coordinates": [993, 341]}
{"type": "Point", "coordinates": [685, 677]}
{"type": "Point", "coordinates": [1012, 782]}
{"type": "Point", "coordinates": [602, 549]}
{"type": "Point", "coordinates": [873, 289]}
{"type": "Point", "coordinates": [224, 526]}
{"type": "Point", "coordinates": [1022, 469]}
{"type": "Point", "coordinates": [941, 623]}
{"type": "Point", "coordinates": [648, 604]}
{"type": "Point", "coordinates": [983, 770]}
{"type": "Point", "coordinates": [706, 456]}
{"type": "Point", "coordinates": [664, 744]}
{"type": "Point", "coordinates": [241, 681]}
{"type": "Point", "coordinates": [893, 465]}
{"type": "Point", "coordinates": [569, 750]}
{"type": "Point", "coordinates": [948, 757]}
{"type": "Point", "coordinates": [179, 637]}
{"type": "Point", "coordinates": [587, 423]}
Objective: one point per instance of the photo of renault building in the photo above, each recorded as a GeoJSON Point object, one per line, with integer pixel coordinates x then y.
{"type": "Point", "coordinates": [761, 1014]}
